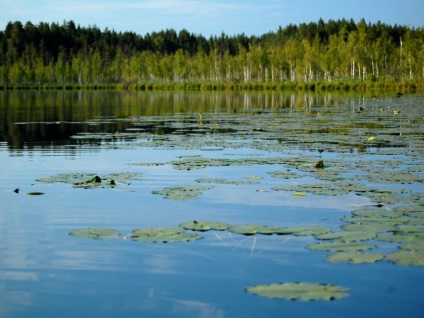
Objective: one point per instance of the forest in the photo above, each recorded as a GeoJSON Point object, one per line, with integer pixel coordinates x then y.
{"type": "Point", "coordinates": [68, 55]}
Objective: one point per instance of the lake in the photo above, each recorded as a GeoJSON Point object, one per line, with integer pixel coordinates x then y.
{"type": "Point", "coordinates": [325, 189]}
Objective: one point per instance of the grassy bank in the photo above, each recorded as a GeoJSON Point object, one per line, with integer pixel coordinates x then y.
{"type": "Point", "coordinates": [357, 86]}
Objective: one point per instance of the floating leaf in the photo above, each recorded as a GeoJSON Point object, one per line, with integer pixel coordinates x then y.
{"type": "Point", "coordinates": [399, 238]}
{"type": "Point", "coordinates": [251, 229]}
{"type": "Point", "coordinates": [416, 245]}
{"type": "Point", "coordinates": [182, 192]}
{"type": "Point", "coordinates": [299, 291]}
{"type": "Point", "coordinates": [354, 257]}
{"type": "Point", "coordinates": [91, 180]}
{"type": "Point", "coordinates": [224, 181]}
{"type": "Point", "coordinates": [253, 177]}
{"type": "Point", "coordinates": [340, 246]}
{"type": "Point", "coordinates": [406, 258]}
{"type": "Point", "coordinates": [411, 210]}
{"type": "Point", "coordinates": [377, 213]}
{"type": "Point", "coordinates": [35, 193]}
{"type": "Point", "coordinates": [299, 194]}
{"type": "Point", "coordinates": [318, 188]}
{"type": "Point", "coordinates": [284, 174]}
{"type": "Point", "coordinates": [370, 227]}
{"type": "Point", "coordinates": [347, 236]}
{"type": "Point", "coordinates": [95, 233]}
{"type": "Point", "coordinates": [163, 234]}
{"type": "Point", "coordinates": [204, 225]}
{"type": "Point", "coordinates": [410, 229]}
{"type": "Point", "coordinates": [373, 220]}
{"type": "Point", "coordinates": [304, 230]}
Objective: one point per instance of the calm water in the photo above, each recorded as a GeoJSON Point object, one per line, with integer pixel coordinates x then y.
{"type": "Point", "coordinates": [44, 272]}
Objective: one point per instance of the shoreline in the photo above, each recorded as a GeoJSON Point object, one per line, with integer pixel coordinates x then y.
{"type": "Point", "coordinates": [321, 86]}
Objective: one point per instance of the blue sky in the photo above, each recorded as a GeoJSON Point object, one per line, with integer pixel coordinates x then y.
{"type": "Point", "coordinates": [208, 17]}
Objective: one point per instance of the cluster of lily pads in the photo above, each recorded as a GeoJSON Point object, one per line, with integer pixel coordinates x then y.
{"type": "Point", "coordinates": [337, 129]}
{"type": "Point", "coordinates": [369, 153]}
{"type": "Point", "coordinates": [403, 225]}
{"type": "Point", "coordinates": [92, 180]}
{"type": "Point", "coordinates": [180, 234]}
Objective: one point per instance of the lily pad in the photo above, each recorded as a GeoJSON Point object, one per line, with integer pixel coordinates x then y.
{"type": "Point", "coordinates": [399, 238]}
{"type": "Point", "coordinates": [373, 220]}
{"type": "Point", "coordinates": [225, 181]}
{"type": "Point", "coordinates": [339, 245]}
{"type": "Point", "coordinates": [182, 192]}
{"type": "Point", "coordinates": [370, 227]}
{"type": "Point", "coordinates": [35, 193]}
{"type": "Point", "coordinates": [377, 213]}
{"type": "Point", "coordinates": [406, 257]}
{"type": "Point", "coordinates": [95, 233]}
{"type": "Point", "coordinates": [204, 225]}
{"type": "Point", "coordinates": [163, 234]}
{"type": "Point", "coordinates": [317, 188]}
{"type": "Point", "coordinates": [354, 257]}
{"type": "Point", "coordinates": [304, 230]}
{"type": "Point", "coordinates": [91, 180]}
{"type": "Point", "coordinates": [411, 210]}
{"type": "Point", "coordinates": [252, 229]}
{"type": "Point", "coordinates": [347, 236]}
{"type": "Point", "coordinates": [299, 291]}
{"type": "Point", "coordinates": [284, 174]}
{"type": "Point", "coordinates": [299, 194]}
{"type": "Point", "coordinates": [416, 245]}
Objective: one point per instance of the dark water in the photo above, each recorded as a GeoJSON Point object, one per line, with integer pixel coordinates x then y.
{"type": "Point", "coordinates": [44, 272]}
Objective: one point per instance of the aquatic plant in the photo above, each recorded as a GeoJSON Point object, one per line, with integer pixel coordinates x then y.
{"type": "Point", "coordinates": [299, 291]}
{"type": "Point", "coordinates": [96, 233]}
{"type": "Point", "coordinates": [163, 235]}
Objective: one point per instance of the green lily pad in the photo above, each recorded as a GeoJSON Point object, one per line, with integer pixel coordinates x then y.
{"type": "Point", "coordinates": [347, 236]}
{"type": "Point", "coordinates": [411, 210]}
{"type": "Point", "coordinates": [91, 180]}
{"type": "Point", "coordinates": [372, 220]}
{"type": "Point", "coordinates": [299, 194]}
{"type": "Point", "coordinates": [35, 193]}
{"type": "Point", "coordinates": [284, 174]}
{"type": "Point", "coordinates": [225, 181]}
{"type": "Point", "coordinates": [253, 177]}
{"type": "Point", "coordinates": [377, 213]}
{"type": "Point", "coordinates": [410, 229]}
{"type": "Point", "coordinates": [403, 177]}
{"type": "Point", "coordinates": [416, 245]}
{"type": "Point", "coordinates": [204, 226]}
{"type": "Point", "coordinates": [299, 291]}
{"type": "Point", "coordinates": [163, 234]}
{"type": "Point", "coordinates": [370, 227]}
{"type": "Point", "coordinates": [252, 229]}
{"type": "Point", "coordinates": [339, 245]}
{"type": "Point", "coordinates": [182, 192]}
{"type": "Point", "coordinates": [354, 257]}
{"type": "Point", "coordinates": [304, 230]}
{"type": "Point", "coordinates": [95, 233]}
{"type": "Point", "coordinates": [317, 188]}
{"type": "Point", "coordinates": [406, 257]}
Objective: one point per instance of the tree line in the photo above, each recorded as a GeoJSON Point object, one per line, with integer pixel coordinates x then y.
{"type": "Point", "coordinates": [341, 50]}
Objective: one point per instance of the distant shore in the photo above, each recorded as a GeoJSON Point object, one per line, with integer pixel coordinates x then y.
{"type": "Point", "coordinates": [322, 86]}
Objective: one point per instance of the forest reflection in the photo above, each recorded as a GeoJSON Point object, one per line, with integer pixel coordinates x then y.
{"type": "Point", "coordinates": [30, 119]}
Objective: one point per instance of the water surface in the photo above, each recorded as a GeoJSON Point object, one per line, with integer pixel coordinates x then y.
{"type": "Point", "coordinates": [44, 272]}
